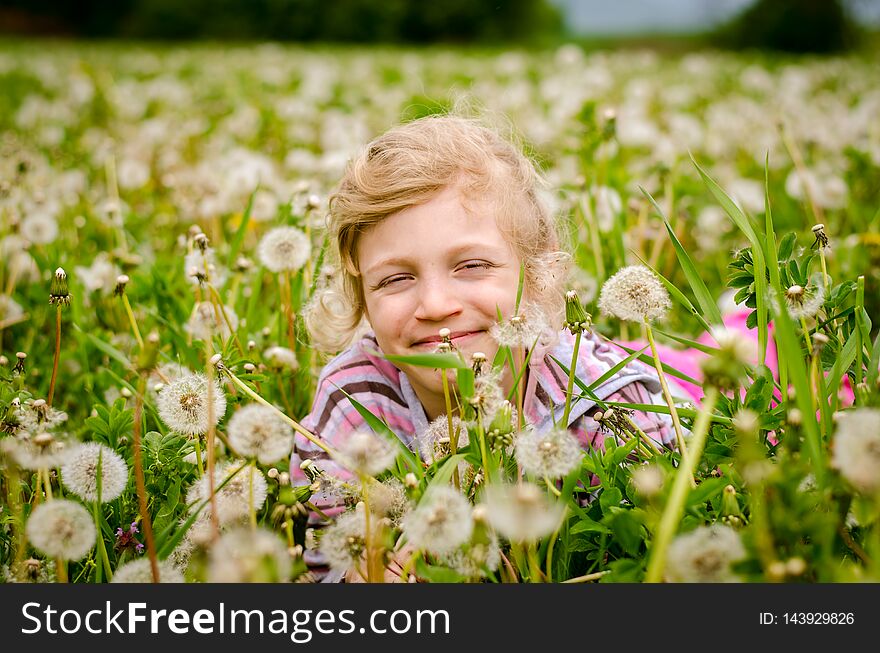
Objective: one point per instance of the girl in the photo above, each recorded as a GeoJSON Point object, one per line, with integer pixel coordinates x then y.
{"type": "Point", "coordinates": [430, 227]}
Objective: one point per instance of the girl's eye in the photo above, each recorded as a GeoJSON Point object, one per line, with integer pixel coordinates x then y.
{"type": "Point", "coordinates": [474, 265]}
{"type": "Point", "coordinates": [389, 281]}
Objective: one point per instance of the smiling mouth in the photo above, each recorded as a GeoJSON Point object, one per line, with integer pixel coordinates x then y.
{"type": "Point", "coordinates": [455, 336]}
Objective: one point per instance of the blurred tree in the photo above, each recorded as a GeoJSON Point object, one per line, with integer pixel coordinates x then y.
{"type": "Point", "coordinates": [792, 26]}
{"type": "Point", "coordinates": [363, 21]}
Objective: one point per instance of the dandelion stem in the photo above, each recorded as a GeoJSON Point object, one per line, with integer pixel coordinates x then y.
{"type": "Point", "coordinates": [102, 549]}
{"type": "Point", "coordinates": [57, 354]}
{"type": "Point", "coordinates": [806, 331]}
{"type": "Point", "coordinates": [198, 450]}
{"type": "Point", "coordinates": [453, 437]}
{"type": "Point", "coordinates": [209, 438]}
{"type": "Point", "coordinates": [139, 481]}
{"type": "Point", "coordinates": [251, 508]}
{"type": "Point", "coordinates": [588, 578]}
{"type": "Point", "coordinates": [675, 505]}
{"type": "Point", "coordinates": [132, 321]}
{"type": "Point", "coordinates": [572, 372]}
{"type": "Point", "coordinates": [293, 423]}
{"type": "Point", "coordinates": [218, 305]}
{"type": "Point", "coordinates": [676, 423]}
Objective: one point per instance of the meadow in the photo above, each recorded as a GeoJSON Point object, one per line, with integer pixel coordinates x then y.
{"type": "Point", "coordinates": [163, 231]}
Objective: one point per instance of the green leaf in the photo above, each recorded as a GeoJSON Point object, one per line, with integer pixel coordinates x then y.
{"type": "Point", "coordinates": [381, 428]}
{"type": "Point", "coordinates": [786, 246]}
{"type": "Point", "coordinates": [437, 574]}
{"type": "Point", "coordinates": [701, 292]}
{"type": "Point", "coordinates": [238, 238]}
{"type": "Point", "coordinates": [609, 498]}
{"type": "Point", "coordinates": [627, 530]}
{"type": "Point", "coordinates": [586, 525]}
{"type": "Point", "coordinates": [445, 472]}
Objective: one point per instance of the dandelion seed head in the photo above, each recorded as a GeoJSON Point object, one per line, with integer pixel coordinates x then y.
{"type": "Point", "coordinates": [139, 571]}
{"type": "Point", "coordinates": [441, 522]}
{"type": "Point", "coordinates": [522, 512]}
{"type": "Point", "coordinates": [9, 308]}
{"type": "Point", "coordinates": [343, 542]}
{"type": "Point", "coordinates": [804, 301]}
{"type": "Point", "coordinates": [553, 453]}
{"type": "Point", "coordinates": [40, 450]}
{"type": "Point", "coordinates": [233, 499]}
{"type": "Point", "coordinates": [80, 472]}
{"type": "Point", "coordinates": [61, 529]}
{"type": "Point", "coordinates": [525, 328]}
{"type": "Point", "coordinates": [284, 248]}
{"type": "Point", "coordinates": [634, 294]}
{"type": "Point", "coordinates": [197, 262]}
{"type": "Point", "coordinates": [246, 555]}
{"type": "Point", "coordinates": [434, 441]}
{"type": "Point", "coordinates": [648, 480]}
{"type": "Point", "coordinates": [257, 431]}
{"type": "Point", "coordinates": [100, 276]}
{"type": "Point", "coordinates": [183, 404]}
{"type": "Point", "coordinates": [281, 358]}
{"type": "Point", "coordinates": [366, 453]}
{"type": "Point", "coordinates": [856, 449]}
{"type": "Point", "coordinates": [705, 555]}
{"type": "Point", "coordinates": [40, 227]}
{"type": "Point", "coordinates": [475, 560]}
{"type": "Point", "coordinates": [387, 498]}
{"type": "Point", "coordinates": [207, 321]}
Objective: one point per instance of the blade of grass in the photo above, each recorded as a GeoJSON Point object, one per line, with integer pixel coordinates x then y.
{"type": "Point", "coordinates": [701, 292]}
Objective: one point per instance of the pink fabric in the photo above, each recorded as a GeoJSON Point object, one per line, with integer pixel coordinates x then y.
{"type": "Point", "coordinates": [687, 361]}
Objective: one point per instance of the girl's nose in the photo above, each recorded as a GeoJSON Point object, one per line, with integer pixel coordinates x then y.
{"type": "Point", "coordinates": [437, 301]}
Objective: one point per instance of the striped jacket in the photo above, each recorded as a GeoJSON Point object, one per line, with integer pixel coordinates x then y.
{"type": "Point", "coordinates": [386, 392]}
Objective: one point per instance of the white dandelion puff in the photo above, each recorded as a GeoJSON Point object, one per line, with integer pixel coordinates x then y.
{"type": "Point", "coordinates": [80, 472]}
{"type": "Point", "coordinates": [10, 309]}
{"type": "Point", "coordinates": [387, 498]}
{"type": "Point", "coordinates": [856, 449]}
{"type": "Point", "coordinates": [441, 522]}
{"type": "Point", "coordinates": [183, 404]}
{"type": "Point", "coordinates": [61, 529]}
{"type": "Point", "coordinates": [553, 453]}
{"type": "Point", "coordinates": [284, 248]}
{"type": "Point", "coordinates": [208, 320]}
{"type": "Point", "coordinates": [36, 416]}
{"type": "Point", "coordinates": [434, 441]}
{"type": "Point", "coordinates": [366, 453]}
{"type": "Point", "coordinates": [257, 431]}
{"type": "Point", "coordinates": [234, 498]}
{"type": "Point", "coordinates": [804, 301]}
{"type": "Point", "coordinates": [522, 512]}
{"type": "Point", "coordinates": [281, 358]}
{"type": "Point", "coordinates": [648, 480]}
{"type": "Point", "coordinates": [634, 294]}
{"type": "Point", "coordinates": [705, 555]}
{"type": "Point", "coordinates": [474, 560]}
{"type": "Point", "coordinates": [40, 228]}
{"type": "Point", "coordinates": [529, 325]}
{"type": "Point", "coordinates": [38, 451]}
{"type": "Point", "coordinates": [246, 555]}
{"type": "Point", "coordinates": [139, 571]}
{"type": "Point", "coordinates": [205, 265]}
{"type": "Point", "coordinates": [343, 542]}
{"type": "Point", "coordinates": [101, 275]}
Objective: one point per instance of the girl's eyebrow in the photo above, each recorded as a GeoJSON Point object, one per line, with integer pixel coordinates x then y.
{"type": "Point", "coordinates": [458, 250]}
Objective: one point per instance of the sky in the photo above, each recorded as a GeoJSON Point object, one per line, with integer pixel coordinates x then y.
{"type": "Point", "coordinates": [659, 16]}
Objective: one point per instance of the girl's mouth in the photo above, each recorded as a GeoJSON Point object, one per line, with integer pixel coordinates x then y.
{"type": "Point", "coordinates": [457, 338]}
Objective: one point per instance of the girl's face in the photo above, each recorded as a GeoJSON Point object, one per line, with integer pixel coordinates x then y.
{"type": "Point", "coordinates": [432, 266]}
